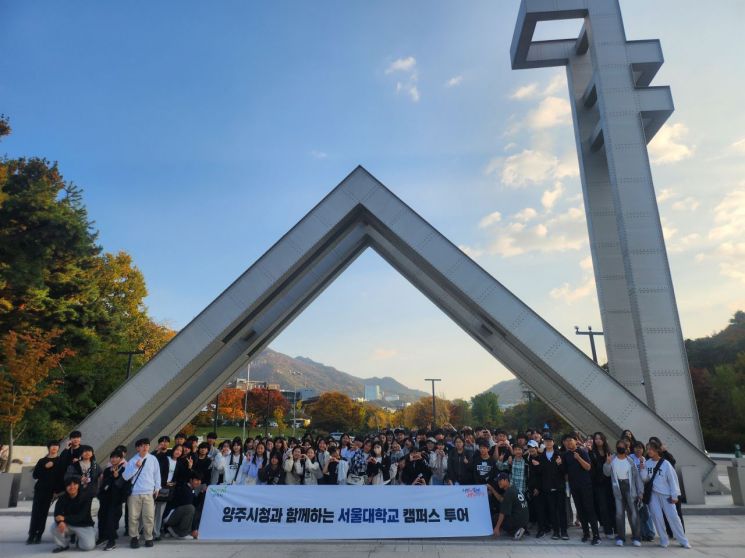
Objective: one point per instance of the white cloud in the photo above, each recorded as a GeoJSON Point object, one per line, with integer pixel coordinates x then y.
{"type": "Point", "coordinates": [383, 353]}
{"type": "Point", "coordinates": [668, 145]}
{"type": "Point", "coordinates": [688, 204]}
{"type": "Point", "coordinates": [738, 146]}
{"type": "Point", "coordinates": [729, 216]}
{"type": "Point", "coordinates": [454, 81]}
{"type": "Point", "coordinates": [550, 197]}
{"type": "Point", "coordinates": [525, 92]}
{"type": "Point", "coordinates": [568, 166]}
{"type": "Point", "coordinates": [728, 235]}
{"type": "Point", "coordinates": [409, 88]}
{"type": "Point", "coordinates": [568, 294]}
{"type": "Point", "coordinates": [684, 244]}
{"type": "Point", "coordinates": [566, 231]}
{"type": "Point", "coordinates": [471, 251]}
{"type": "Point", "coordinates": [408, 85]}
{"type": "Point", "coordinates": [668, 231]}
{"type": "Point", "coordinates": [534, 167]}
{"type": "Point", "coordinates": [551, 112]}
{"type": "Point", "coordinates": [401, 65]}
{"type": "Point", "coordinates": [528, 166]}
{"type": "Point", "coordinates": [510, 146]}
{"type": "Point", "coordinates": [665, 195]}
{"type": "Point", "coordinates": [525, 215]}
{"type": "Point", "coordinates": [318, 154]}
{"type": "Point", "coordinates": [557, 84]}
{"type": "Point", "coordinates": [490, 219]}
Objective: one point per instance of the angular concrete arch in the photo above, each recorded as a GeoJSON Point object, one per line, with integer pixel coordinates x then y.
{"type": "Point", "coordinates": [361, 213]}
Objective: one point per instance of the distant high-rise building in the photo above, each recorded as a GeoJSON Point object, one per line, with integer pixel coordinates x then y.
{"type": "Point", "coordinates": [372, 392]}
{"type": "Point", "coordinates": [392, 397]}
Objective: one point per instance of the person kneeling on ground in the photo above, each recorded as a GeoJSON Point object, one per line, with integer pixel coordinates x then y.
{"type": "Point", "coordinates": [72, 516]}
{"type": "Point", "coordinates": [513, 510]}
{"type": "Point", "coordinates": [185, 510]}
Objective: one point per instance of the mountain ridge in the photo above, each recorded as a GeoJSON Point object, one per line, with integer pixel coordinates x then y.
{"type": "Point", "coordinates": [300, 372]}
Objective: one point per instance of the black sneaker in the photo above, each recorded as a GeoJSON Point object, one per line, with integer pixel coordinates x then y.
{"type": "Point", "coordinates": [539, 534]}
{"type": "Point", "coordinates": [595, 541]}
{"type": "Point", "coordinates": [564, 537]}
{"type": "Point", "coordinates": [585, 537]}
{"type": "Point", "coordinates": [30, 539]}
{"type": "Point", "coordinates": [134, 543]}
{"type": "Point", "coordinates": [555, 537]}
{"type": "Point", "coordinates": [111, 545]}
{"type": "Point", "coordinates": [149, 543]}
{"type": "Point", "coordinates": [37, 539]}
{"type": "Point", "coordinates": [58, 549]}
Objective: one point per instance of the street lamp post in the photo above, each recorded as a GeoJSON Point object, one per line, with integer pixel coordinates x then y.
{"type": "Point", "coordinates": [591, 334]}
{"type": "Point", "coordinates": [130, 354]}
{"type": "Point", "coordinates": [245, 401]}
{"type": "Point", "coordinates": [434, 415]}
{"type": "Point", "coordinates": [266, 414]}
{"type": "Point", "coordinates": [294, 402]}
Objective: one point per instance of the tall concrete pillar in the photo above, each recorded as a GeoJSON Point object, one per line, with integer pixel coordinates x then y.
{"type": "Point", "coordinates": [615, 114]}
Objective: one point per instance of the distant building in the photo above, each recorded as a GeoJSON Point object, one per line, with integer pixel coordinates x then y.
{"type": "Point", "coordinates": [372, 392]}
{"type": "Point", "coordinates": [392, 397]}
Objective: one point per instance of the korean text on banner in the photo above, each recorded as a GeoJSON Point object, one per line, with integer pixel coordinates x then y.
{"type": "Point", "coordinates": [316, 512]}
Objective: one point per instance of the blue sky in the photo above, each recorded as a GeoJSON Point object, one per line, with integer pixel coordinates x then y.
{"type": "Point", "coordinates": [201, 132]}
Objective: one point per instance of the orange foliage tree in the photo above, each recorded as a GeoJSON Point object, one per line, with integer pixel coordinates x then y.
{"type": "Point", "coordinates": [230, 403]}
{"type": "Point", "coordinates": [264, 404]}
{"type": "Point", "coordinates": [335, 411]}
{"type": "Point", "coordinates": [26, 360]}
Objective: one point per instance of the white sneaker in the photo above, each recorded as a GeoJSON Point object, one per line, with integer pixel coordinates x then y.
{"type": "Point", "coordinates": [619, 542]}
{"type": "Point", "coordinates": [686, 545]}
{"type": "Point", "coordinates": [636, 543]}
{"type": "Point", "coordinates": [519, 534]}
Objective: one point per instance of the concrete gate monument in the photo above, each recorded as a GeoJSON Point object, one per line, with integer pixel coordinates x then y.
{"type": "Point", "coordinates": [649, 388]}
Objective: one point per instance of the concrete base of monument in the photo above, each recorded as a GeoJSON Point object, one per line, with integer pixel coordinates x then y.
{"type": "Point", "coordinates": [720, 536]}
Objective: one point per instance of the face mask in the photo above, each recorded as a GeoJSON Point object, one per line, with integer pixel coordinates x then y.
{"type": "Point", "coordinates": [620, 450]}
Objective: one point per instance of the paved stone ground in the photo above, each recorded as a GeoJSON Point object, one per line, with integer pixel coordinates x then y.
{"type": "Point", "coordinates": [716, 536]}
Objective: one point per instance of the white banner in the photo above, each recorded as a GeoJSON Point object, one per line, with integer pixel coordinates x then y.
{"type": "Point", "coordinates": [365, 512]}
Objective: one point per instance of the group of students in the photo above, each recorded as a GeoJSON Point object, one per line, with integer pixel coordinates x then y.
{"type": "Point", "coordinates": [531, 481]}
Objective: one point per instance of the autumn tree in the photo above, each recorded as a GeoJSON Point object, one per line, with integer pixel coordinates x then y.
{"type": "Point", "coordinates": [230, 403]}
{"type": "Point", "coordinates": [419, 413]}
{"type": "Point", "coordinates": [460, 413]}
{"type": "Point", "coordinates": [26, 360]}
{"type": "Point", "coordinates": [335, 411]}
{"type": "Point", "coordinates": [264, 404]}
{"type": "Point", "coordinates": [375, 417]}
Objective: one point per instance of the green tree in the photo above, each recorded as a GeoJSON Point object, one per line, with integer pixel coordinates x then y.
{"type": "Point", "coordinates": [485, 409]}
{"type": "Point", "coordinates": [534, 414]}
{"type": "Point", "coordinates": [53, 277]}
